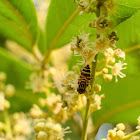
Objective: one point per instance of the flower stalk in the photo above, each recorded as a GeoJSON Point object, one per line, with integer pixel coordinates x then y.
{"type": "Point", "coordinates": [7, 122]}
{"type": "Point", "coordinates": [93, 70]}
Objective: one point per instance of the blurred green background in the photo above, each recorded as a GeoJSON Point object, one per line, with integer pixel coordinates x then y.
{"type": "Point", "coordinates": [25, 23]}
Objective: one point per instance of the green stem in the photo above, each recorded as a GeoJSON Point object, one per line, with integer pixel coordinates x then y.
{"type": "Point", "coordinates": [84, 134]}
{"type": "Point", "coordinates": [7, 122]}
{"type": "Point", "coordinates": [131, 135]}
{"type": "Point", "coordinates": [93, 70]}
{"type": "Point", "coordinates": [134, 48]}
{"type": "Point", "coordinates": [87, 113]}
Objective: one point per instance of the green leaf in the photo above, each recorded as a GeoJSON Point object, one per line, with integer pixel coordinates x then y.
{"type": "Point", "coordinates": [17, 74]}
{"type": "Point", "coordinates": [122, 99]}
{"type": "Point", "coordinates": [18, 22]}
{"type": "Point", "coordinates": [121, 103]}
{"type": "Point", "coordinates": [64, 22]}
{"type": "Point", "coordinates": [128, 33]}
{"type": "Point", "coordinates": [42, 42]}
{"type": "Point", "coordinates": [125, 9]}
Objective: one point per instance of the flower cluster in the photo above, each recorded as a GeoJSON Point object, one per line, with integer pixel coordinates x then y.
{"type": "Point", "coordinates": [54, 104]}
{"type": "Point", "coordinates": [118, 133]}
{"type": "Point", "coordinates": [36, 112]}
{"type": "Point", "coordinates": [47, 129]}
{"type": "Point", "coordinates": [20, 127]}
{"type": "Point", "coordinates": [6, 91]}
{"type": "Point", "coordinates": [81, 45]}
{"type": "Point", "coordinates": [85, 6]}
{"type": "Point", "coordinates": [109, 63]}
{"type": "Point", "coordinates": [21, 124]}
{"type": "Point", "coordinates": [39, 79]}
{"type": "Point", "coordinates": [71, 100]}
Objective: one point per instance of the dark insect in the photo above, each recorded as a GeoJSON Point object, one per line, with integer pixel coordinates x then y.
{"type": "Point", "coordinates": [84, 79]}
{"type": "Point", "coordinates": [113, 37]}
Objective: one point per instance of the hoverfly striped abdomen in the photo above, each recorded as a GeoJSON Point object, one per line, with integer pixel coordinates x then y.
{"type": "Point", "coordinates": [84, 79]}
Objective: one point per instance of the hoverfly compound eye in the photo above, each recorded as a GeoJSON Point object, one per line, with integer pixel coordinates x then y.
{"type": "Point", "coordinates": [84, 79]}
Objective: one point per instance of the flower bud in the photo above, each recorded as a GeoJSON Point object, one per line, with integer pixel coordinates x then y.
{"type": "Point", "coordinates": [49, 126]}
{"type": "Point", "coordinates": [107, 77]}
{"type": "Point", "coordinates": [97, 88]}
{"type": "Point", "coordinates": [6, 104]}
{"type": "Point", "coordinates": [36, 121]}
{"type": "Point", "coordinates": [42, 135]}
{"type": "Point", "coordinates": [112, 133]}
{"type": "Point", "coordinates": [39, 126]}
{"type": "Point", "coordinates": [42, 102]}
{"type": "Point", "coordinates": [104, 70]}
{"type": "Point", "coordinates": [52, 70]}
{"type": "Point", "coordinates": [57, 128]}
{"type": "Point", "coordinates": [120, 126]}
{"type": "Point", "coordinates": [2, 76]}
{"type": "Point", "coordinates": [120, 134]}
{"type": "Point", "coordinates": [9, 90]}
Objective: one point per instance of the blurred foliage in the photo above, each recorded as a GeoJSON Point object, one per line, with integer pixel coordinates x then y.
{"type": "Point", "coordinates": [18, 22]}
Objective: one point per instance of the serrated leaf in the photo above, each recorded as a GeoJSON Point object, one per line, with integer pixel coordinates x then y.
{"type": "Point", "coordinates": [18, 22]}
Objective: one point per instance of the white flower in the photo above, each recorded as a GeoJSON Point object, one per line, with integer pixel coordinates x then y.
{"type": "Point", "coordinates": [96, 99]}
{"type": "Point", "coordinates": [119, 53]}
{"type": "Point", "coordinates": [79, 42]}
{"type": "Point", "coordinates": [88, 55]}
{"type": "Point", "coordinates": [22, 125]}
{"type": "Point", "coordinates": [37, 82]}
{"type": "Point", "coordinates": [70, 81]}
{"type": "Point", "coordinates": [116, 70]}
{"type": "Point", "coordinates": [109, 56]}
{"type": "Point", "coordinates": [36, 112]}
{"type": "Point", "coordinates": [101, 24]}
{"type": "Point", "coordinates": [49, 130]}
{"type": "Point", "coordinates": [54, 103]}
{"type": "Point", "coordinates": [84, 6]}
{"type": "Point", "coordinates": [101, 45]}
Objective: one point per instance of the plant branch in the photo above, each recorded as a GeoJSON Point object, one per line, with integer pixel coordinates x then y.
{"type": "Point", "coordinates": [132, 49]}
{"type": "Point", "coordinates": [93, 70]}
{"type": "Point", "coordinates": [127, 137]}
{"type": "Point", "coordinates": [87, 113]}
